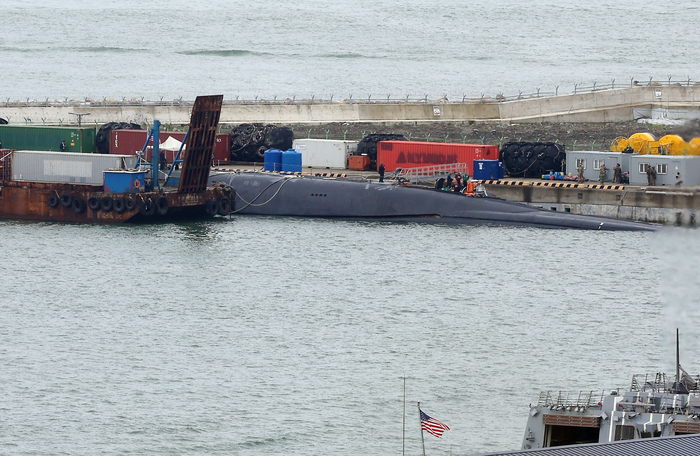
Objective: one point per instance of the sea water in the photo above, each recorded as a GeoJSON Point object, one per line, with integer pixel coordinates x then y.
{"type": "Point", "coordinates": [57, 49]}
{"type": "Point", "coordinates": [268, 336]}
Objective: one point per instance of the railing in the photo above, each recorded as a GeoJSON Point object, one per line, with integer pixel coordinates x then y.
{"type": "Point", "coordinates": [559, 401]}
{"type": "Point", "coordinates": [6, 167]}
{"type": "Point", "coordinates": [351, 99]}
{"type": "Point", "coordinates": [433, 171]}
{"type": "Point", "coordinates": [662, 383]}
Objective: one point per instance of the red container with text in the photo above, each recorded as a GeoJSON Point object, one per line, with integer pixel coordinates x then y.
{"type": "Point", "coordinates": [416, 154]}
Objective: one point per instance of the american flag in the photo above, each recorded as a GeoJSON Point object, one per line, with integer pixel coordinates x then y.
{"type": "Point", "coordinates": [432, 425]}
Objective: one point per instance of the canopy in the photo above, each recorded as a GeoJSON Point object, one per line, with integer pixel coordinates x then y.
{"type": "Point", "coordinates": [171, 144]}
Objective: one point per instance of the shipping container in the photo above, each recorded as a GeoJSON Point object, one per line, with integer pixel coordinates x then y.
{"type": "Point", "coordinates": [77, 139]}
{"type": "Point", "coordinates": [325, 153]}
{"type": "Point", "coordinates": [488, 170]}
{"type": "Point", "coordinates": [416, 154]}
{"type": "Point", "coordinates": [128, 142]}
{"type": "Point", "coordinates": [65, 167]}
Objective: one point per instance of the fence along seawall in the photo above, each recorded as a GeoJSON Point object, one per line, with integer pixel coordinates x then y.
{"type": "Point", "coordinates": [595, 105]}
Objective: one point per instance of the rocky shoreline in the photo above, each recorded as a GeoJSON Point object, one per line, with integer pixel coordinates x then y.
{"type": "Point", "coordinates": [574, 136]}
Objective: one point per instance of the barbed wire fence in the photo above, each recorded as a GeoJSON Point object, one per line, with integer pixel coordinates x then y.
{"type": "Point", "coordinates": [578, 88]}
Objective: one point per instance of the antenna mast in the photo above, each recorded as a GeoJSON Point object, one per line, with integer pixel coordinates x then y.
{"type": "Point", "coordinates": [678, 359]}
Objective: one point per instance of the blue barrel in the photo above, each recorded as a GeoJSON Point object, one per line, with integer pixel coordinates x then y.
{"type": "Point", "coordinates": [291, 161]}
{"type": "Point", "coordinates": [273, 160]}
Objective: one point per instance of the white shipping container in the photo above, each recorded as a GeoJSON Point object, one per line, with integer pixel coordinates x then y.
{"type": "Point", "coordinates": [324, 153]}
{"type": "Point", "coordinates": [64, 167]}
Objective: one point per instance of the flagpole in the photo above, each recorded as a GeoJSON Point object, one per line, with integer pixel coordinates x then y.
{"type": "Point", "coordinates": [403, 428]}
{"type": "Point", "coordinates": [421, 429]}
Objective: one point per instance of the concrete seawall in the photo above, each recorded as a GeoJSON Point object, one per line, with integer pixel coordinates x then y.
{"type": "Point", "coordinates": [665, 205]}
{"type": "Point", "coordinates": [610, 105]}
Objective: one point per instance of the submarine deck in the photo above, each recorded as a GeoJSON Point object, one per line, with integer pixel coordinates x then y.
{"type": "Point", "coordinates": [679, 206]}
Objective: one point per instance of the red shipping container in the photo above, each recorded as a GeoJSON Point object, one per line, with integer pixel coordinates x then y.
{"type": "Point", "coordinates": [128, 142]}
{"type": "Point", "coordinates": [416, 154]}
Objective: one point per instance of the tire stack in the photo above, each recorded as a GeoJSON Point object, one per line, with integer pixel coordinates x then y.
{"type": "Point", "coordinates": [250, 141]}
{"type": "Point", "coordinates": [526, 159]}
{"type": "Point", "coordinates": [368, 145]}
{"type": "Point", "coordinates": [102, 137]}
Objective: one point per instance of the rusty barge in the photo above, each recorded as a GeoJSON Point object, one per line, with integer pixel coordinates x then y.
{"type": "Point", "coordinates": [55, 186]}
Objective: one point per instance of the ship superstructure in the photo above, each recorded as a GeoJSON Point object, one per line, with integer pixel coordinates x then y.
{"type": "Point", "coordinates": [654, 406]}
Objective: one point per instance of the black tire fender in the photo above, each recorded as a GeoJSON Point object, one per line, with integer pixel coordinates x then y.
{"type": "Point", "coordinates": [66, 199]}
{"type": "Point", "coordinates": [130, 204]}
{"type": "Point", "coordinates": [94, 203]}
{"type": "Point", "coordinates": [78, 205]}
{"type": "Point", "coordinates": [224, 206]}
{"type": "Point", "coordinates": [147, 207]}
{"type": "Point", "coordinates": [54, 200]}
{"type": "Point", "coordinates": [118, 205]}
{"type": "Point", "coordinates": [212, 207]}
{"type": "Point", "coordinates": [106, 203]}
{"type": "Point", "coordinates": [161, 205]}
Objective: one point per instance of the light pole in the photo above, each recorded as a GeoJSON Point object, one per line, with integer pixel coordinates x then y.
{"type": "Point", "coordinates": [80, 116]}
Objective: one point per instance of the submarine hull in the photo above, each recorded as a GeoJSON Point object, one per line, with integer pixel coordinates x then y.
{"type": "Point", "coordinates": [307, 196]}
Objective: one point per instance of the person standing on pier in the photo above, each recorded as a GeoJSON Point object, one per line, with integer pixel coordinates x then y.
{"type": "Point", "coordinates": [62, 146]}
{"type": "Point", "coordinates": [602, 173]}
{"type": "Point", "coordinates": [381, 172]}
{"type": "Point", "coordinates": [162, 161]}
{"type": "Point", "coordinates": [581, 179]}
{"type": "Point", "coordinates": [617, 174]}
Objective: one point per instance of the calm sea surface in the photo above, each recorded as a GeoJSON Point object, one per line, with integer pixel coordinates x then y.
{"type": "Point", "coordinates": [269, 336]}
{"type": "Point", "coordinates": [75, 48]}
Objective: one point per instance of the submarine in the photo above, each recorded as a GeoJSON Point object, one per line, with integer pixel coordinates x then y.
{"type": "Point", "coordinates": [275, 194]}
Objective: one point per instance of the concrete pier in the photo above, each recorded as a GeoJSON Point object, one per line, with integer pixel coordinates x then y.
{"type": "Point", "coordinates": [609, 105]}
{"type": "Point", "coordinates": [679, 206]}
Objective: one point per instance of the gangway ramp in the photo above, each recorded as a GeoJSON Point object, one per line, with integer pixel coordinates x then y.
{"type": "Point", "coordinates": [429, 173]}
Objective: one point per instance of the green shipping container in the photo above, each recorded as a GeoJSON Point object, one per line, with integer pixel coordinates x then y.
{"type": "Point", "coordinates": [78, 139]}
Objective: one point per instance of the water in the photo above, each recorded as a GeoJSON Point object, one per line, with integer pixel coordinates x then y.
{"type": "Point", "coordinates": [71, 48]}
{"type": "Point", "coordinates": [267, 336]}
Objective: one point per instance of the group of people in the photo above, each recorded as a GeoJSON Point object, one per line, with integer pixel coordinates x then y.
{"type": "Point", "coordinates": [651, 175]}
{"type": "Point", "coordinates": [617, 173]}
{"type": "Point", "coordinates": [456, 183]}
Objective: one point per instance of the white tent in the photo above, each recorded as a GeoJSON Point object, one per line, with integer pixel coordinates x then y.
{"type": "Point", "coordinates": [171, 144]}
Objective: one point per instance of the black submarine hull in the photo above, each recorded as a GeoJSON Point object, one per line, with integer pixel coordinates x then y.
{"type": "Point", "coordinates": [308, 196]}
